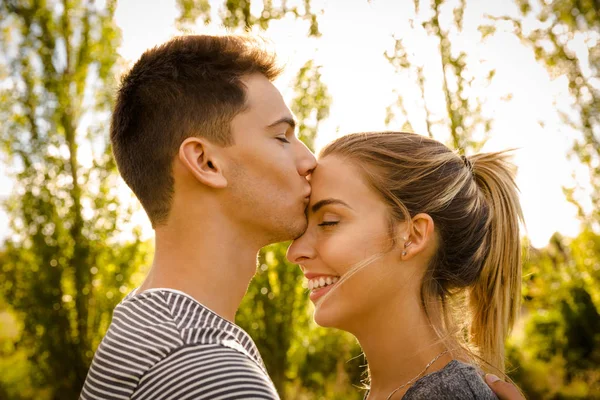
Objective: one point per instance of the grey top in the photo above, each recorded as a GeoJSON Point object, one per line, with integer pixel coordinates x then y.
{"type": "Point", "coordinates": [456, 380]}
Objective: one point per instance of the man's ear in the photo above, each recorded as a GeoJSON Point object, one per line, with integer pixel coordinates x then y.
{"type": "Point", "coordinates": [420, 237]}
{"type": "Point", "coordinates": [201, 159]}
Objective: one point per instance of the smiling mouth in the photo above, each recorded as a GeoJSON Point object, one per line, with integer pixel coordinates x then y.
{"type": "Point", "coordinates": [320, 286]}
{"type": "Point", "coordinates": [322, 282]}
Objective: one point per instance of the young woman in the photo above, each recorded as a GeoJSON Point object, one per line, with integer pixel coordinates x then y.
{"type": "Point", "coordinates": [416, 251]}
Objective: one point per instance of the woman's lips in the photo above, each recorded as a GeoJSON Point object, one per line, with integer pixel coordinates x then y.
{"type": "Point", "coordinates": [319, 284]}
{"type": "Point", "coordinates": [316, 294]}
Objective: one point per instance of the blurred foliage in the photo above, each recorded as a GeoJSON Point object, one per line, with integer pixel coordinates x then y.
{"type": "Point", "coordinates": [556, 352]}
{"type": "Point", "coordinates": [558, 356]}
{"type": "Point", "coordinates": [567, 42]}
{"type": "Point", "coordinates": [237, 14]}
{"type": "Point", "coordinates": [463, 119]}
{"type": "Point", "coordinates": [311, 102]}
{"type": "Point", "coordinates": [66, 266]}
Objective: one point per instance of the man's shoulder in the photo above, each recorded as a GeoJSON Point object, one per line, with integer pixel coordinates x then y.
{"type": "Point", "coordinates": [151, 329]}
{"type": "Point", "coordinates": [173, 314]}
{"type": "Point", "coordinates": [192, 322]}
{"type": "Point", "coordinates": [142, 332]}
{"type": "Point", "coordinates": [205, 371]}
{"type": "Point", "coordinates": [194, 371]}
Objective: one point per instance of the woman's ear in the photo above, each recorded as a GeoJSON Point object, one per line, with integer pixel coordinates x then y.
{"type": "Point", "coordinates": [420, 238]}
{"type": "Point", "coordinates": [201, 159]}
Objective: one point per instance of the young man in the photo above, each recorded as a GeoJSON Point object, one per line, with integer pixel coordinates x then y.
{"type": "Point", "coordinates": [207, 144]}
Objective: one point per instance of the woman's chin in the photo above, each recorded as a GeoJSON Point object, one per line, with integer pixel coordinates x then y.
{"type": "Point", "coordinates": [327, 319]}
{"type": "Point", "coordinates": [333, 311]}
{"type": "Point", "coordinates": [338, 316]}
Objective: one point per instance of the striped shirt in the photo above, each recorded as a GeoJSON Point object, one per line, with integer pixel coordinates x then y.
{"type": "Point", "coordinates": [163, 344]}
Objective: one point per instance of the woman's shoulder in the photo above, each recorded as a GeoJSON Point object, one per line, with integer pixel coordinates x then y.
{"type": "Point", "coordinates": [456, 380]}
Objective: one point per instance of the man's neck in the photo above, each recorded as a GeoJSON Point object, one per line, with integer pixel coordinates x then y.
{"type": "Point", "coordinates": [212, 264]}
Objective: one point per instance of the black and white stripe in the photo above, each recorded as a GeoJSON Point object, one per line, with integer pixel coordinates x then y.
{"type": "Point", "coordinates": [163, 344]}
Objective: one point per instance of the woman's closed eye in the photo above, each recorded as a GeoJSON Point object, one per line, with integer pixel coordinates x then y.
{"type": "Point", "coordinates": [328, 219]}
{"type": "Point", "coordinates": [329, 223]}
{"type": "Point", "coordinates": [282, 139]}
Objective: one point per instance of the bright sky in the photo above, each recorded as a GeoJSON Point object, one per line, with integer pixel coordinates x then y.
{"type": "Point", "coordinates": [355, 35]}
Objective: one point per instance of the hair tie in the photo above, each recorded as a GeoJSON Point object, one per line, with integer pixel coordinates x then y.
{"type": "Point", "coordinates": [467, 162]}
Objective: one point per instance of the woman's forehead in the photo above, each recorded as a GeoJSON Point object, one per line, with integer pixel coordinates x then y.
{"type": "Point", "coordinates": [338, 177]}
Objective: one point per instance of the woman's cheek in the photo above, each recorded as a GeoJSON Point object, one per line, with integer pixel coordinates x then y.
{"type": "Point", "coordinates": [340, 254]}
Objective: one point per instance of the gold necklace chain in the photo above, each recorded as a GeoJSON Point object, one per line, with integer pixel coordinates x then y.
{"type": "Point", "coordinates": [418, 376]}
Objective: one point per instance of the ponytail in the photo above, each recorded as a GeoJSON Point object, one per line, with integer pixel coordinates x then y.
{"type": "Point", "coordinates": [494, 298]}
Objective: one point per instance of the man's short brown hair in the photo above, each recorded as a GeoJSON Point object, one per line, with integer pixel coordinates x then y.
{"type": "Point", "coordinates": [189, 86]}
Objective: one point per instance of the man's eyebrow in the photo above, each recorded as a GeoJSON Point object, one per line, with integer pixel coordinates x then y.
{"type": "Point", "coordinates": [285, 120]}
{"type": "Point", "coordinates": [320, 204]}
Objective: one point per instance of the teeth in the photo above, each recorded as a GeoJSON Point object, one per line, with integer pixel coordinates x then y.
{"type": "Point", "coordinates": [317, 283]}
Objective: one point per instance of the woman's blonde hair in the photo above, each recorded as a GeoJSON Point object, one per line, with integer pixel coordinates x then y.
{"type": "Point", "coordinates": [474, 204]}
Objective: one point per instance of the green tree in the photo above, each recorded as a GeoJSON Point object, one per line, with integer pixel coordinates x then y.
{"type": "Point", "coordinates": [567, 25]}
{"type": "Point", "coordinates": [236, 14]}
{"type": "Point", "coordinates": [311, 103]}
{"type": "Point", "coordinates": [558, 353]}
{"type": "Point", "coordinates": [65, 267]}
{"type": "Point", "coordinates": [463, 119]}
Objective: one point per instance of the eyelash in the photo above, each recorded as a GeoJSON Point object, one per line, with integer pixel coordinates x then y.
{"type": "Point", "coordinates": [329, 223]}
{"type": "Point", "coordinates": [283, 140]}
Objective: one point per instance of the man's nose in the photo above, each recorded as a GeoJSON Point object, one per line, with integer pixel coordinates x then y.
{"type": "Point", "coordinates": [306, 161]}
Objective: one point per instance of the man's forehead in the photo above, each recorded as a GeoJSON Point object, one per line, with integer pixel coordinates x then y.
{"type": "Point", "coordinates": [258, 88]}
{"type": "Point", "coordinates": [271, 108]}
{"type": "Point", "coordinates": [265, 101]}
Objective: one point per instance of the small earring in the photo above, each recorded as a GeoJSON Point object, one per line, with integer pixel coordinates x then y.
{"type": "Point", "coordinates": [404, 253]}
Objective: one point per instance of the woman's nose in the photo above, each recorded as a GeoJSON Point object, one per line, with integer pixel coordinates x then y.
{"type": "Point", "coordinates": [301, 250]}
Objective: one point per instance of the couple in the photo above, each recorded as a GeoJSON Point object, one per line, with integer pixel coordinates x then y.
{"type": "Point", "coordinates": [405, 244]}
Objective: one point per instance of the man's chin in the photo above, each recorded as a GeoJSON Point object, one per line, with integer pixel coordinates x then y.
{"type": "Point", "coordinates": [292, 231]}
{"type": "Point", "coordinates": [299, 231]}
{"type": "Point", "coordinates": [299, 226]}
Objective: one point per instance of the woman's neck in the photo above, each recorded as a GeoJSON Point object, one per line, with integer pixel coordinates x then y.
{"type": "Point", "coordinates": [399, 348]}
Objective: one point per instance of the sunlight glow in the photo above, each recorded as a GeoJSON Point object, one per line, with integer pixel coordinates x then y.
{"type": "Point", "coordinates": [522, 98]}
{"type": "Point", "coordinates": [361, 81]}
